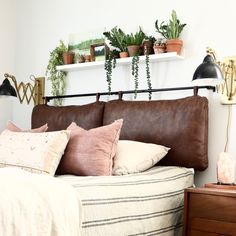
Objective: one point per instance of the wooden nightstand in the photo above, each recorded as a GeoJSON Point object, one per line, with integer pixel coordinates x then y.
{"type": "Point", "coordinates": [209, 212]}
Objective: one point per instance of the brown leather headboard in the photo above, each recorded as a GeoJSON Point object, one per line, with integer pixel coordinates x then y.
{"type": "Point", "coordinates": [181, 124]}
{"type": "Point", "coordinates": [87, 116]}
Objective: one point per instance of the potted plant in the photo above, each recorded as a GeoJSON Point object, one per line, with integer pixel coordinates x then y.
{"type": "Point", "coordinates": [171, 31]}
{"type": "Point", "coordinates": [117, 39]}
{"type": "Point", "coordinates": [147, 50]}
{"type": "Point", "coordinates": [159, 46]}
{"type": "Point", "coordinates": [134, 42]}
{"type": "Point", "coordinates": [147, 45]}
{"type": "Point", "coordinates": [68, 57]}
{"type": "Point", "coordinates": [56, 77]}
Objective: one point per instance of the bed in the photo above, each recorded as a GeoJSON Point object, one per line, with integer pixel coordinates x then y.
{"type": "Point", "coordinates": [149, 202]}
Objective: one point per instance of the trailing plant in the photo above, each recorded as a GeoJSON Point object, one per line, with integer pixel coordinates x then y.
{"type": "Point", "coordinates": [110, 64]}
{"type": "Point", "coordinates": [147, 49]}
{"type": "Point", "coordinates": [56, 77]}
{"type": "Point", "coordinates": [135, 73]}
{"type": "Point", "coordinates": [135, 39]}
{"type": "Point", "coordinates": [149, 83]}
{"type": "Point", "coordinates": [117, 38]}
{"type": "Point", "coordinates": [172, 29]}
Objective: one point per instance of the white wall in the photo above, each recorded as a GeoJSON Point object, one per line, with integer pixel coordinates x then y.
{"type": "Point", "coordinates": [7, 49]}
{"type": "Point", "coordinates": [41, 24]}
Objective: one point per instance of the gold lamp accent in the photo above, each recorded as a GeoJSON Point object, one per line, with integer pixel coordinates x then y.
{"type": "Point", "coordinates": [228, 87]}
{"type": "Point", "coordinates": [28, 91]}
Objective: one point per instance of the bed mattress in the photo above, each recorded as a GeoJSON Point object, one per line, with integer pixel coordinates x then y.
{"type": "Point", "coordinates": [147, 203]}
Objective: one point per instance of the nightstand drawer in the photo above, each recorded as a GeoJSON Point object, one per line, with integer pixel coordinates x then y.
{"type": "Point", "coordinates": [209, 212]}
{"type": "Point", "coordinates": [221, 208]}
{"type": "Point", "coordinates": [213, 226]}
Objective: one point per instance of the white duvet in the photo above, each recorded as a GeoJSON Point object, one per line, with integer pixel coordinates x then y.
{"type": "Point", "coordinates": [37, 205]}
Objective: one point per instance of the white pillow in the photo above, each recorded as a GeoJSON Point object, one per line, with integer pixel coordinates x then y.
{"type": "Point", "coordinates": [34, 152]}
{"type": "Point", "coordinates": [133, 157]}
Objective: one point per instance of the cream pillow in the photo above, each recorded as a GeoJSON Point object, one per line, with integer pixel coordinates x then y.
{"type": "Point", "coordinates": [133, 157]}
{"type": "Point", "coordinates": [35, 152]}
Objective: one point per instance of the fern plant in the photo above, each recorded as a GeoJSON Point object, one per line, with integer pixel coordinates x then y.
{"type": "Point", "coordinates": [172, 29]}
{"type": "Point", "coordinates": [56, 77]}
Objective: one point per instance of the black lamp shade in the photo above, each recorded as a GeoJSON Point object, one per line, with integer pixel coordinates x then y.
{"type": "Point", "coordinates": [7, 89]}
{"type": "Point", "coordinates": [208, 73]}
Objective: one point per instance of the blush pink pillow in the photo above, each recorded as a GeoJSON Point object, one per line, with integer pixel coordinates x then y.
{"type": "Point", "coordinates": [90, 152]}
{"type": "Point", "coordinates": [12, 127]}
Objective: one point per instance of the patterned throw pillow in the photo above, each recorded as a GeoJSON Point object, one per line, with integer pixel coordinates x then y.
{"type": "Point", "coordinates": [34, 152]}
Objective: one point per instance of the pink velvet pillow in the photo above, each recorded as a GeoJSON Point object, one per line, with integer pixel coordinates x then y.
{"type": "Point", "coordinates": [12, 127]}
{"type": "Point", "coordinates": [90, 152]}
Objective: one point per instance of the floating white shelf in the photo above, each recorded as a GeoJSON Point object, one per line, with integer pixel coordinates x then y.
{"type": "Point", "coordinates": [170, 56]}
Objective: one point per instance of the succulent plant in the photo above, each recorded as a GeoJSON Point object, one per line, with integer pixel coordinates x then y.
{"type": "Point", "coordinates": [136, 38]}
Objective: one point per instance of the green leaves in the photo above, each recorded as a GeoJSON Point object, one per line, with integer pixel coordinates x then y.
{"type": "Point", "coordinates": [110, 64]}
{"type": "Point", "coordinates": [117, 38]}
{"type": "Point", "coordinates": [149, 83]}
{"type": "Point", "coordinates": [135, 73]}
{"type": "Point", "coordinates": [57, 78]}
{"type": "Point", "coordinates": [135, 39]}
{"type": "Point", "coordinates": [171, 30]}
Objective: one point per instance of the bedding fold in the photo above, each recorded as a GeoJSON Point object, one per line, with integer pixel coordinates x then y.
{"type": "Point", "coordinates": [36, 205]}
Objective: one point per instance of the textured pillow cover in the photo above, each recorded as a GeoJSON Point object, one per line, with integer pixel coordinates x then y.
{"type": "Point", "coordinates": [13, 127]}
{"type": "Point", "coordinates": [133, 157]}
{"type": "Point", "coordinates": [90, 152]}
{"type": "Point", "coordinates": [34, 152]}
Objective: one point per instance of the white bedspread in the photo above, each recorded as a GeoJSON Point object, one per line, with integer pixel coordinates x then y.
{"type": "Point", "coordinates": [148, 204]}
{"type": "Point", "coordinates": [37, 205]}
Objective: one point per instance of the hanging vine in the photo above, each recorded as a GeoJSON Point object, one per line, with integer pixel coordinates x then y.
{"type": "Point", "coordinates": [56, 77]}
{"type": "Point", "coordinates": [110, 64]}
{"type": "Point", "coordinates": [135, 73]}
{"type": "Point", "coordinates": [149, 83]}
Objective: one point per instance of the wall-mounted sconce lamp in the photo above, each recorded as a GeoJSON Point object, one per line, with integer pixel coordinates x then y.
{"type": "Point", "coordinates": [6, 89]}
{"type": "Point", "coordinates": [24, 91]}
{"type": "Point", "coordinates": [223, 76]}
{"type": "Point", "coordinates": [220, 74]}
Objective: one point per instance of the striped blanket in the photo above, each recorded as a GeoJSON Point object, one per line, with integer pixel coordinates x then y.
{"type": "Point", "coordinates": [148, 203]}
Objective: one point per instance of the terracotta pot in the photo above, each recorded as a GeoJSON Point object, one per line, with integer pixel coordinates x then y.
{"type": "Point", "coordinates": [68, 57]}
{"type": "Point", "coordinates": [133, 50]}
{"type": "Point", "coordinates": [87, 58]}
{"type": "Point", "coordinates": [123, 54]}
{"type": "Point", "coordinates": [159, 49]}
{"type": "Point", "coordinates": [174, 45]}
